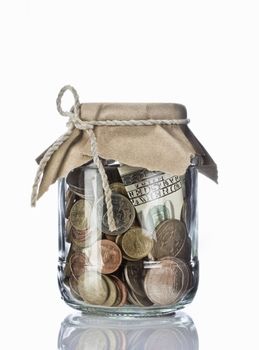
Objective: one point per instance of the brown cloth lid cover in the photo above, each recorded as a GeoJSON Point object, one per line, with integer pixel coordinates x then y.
{"type": "Point", "coordinates": [168, 148]}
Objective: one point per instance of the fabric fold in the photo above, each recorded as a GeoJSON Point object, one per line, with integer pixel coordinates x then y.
{"type": "Point", "coordinates": [167, 148]}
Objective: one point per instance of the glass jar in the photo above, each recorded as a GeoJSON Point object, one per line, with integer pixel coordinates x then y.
{"type": "Point", "coordinates": [149, 265]}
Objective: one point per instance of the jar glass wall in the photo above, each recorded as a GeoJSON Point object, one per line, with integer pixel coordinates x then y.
{"type": "Point", "coordinates": [149, 265]}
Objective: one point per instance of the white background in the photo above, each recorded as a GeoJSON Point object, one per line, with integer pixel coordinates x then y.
{"type": "Point", "coordinates": [203, 54]}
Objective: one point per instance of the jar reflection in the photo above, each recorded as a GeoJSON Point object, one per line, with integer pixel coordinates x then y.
{"type": "Point", "coordinates": [81, 332]}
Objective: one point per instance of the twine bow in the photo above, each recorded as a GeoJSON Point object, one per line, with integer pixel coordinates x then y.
{"type": "Point", "coordinates": [76, 122]}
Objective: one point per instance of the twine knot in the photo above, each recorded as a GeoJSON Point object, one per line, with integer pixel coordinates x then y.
{"type": "Point", "coordinates": [76, 122]}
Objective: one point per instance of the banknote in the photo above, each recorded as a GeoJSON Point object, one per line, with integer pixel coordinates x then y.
{"type": "Point", "coordinates": [155, 195]}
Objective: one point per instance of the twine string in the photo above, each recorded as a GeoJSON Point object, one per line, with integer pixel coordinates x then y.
{"type": "Point", "coordinates": [76, 122]}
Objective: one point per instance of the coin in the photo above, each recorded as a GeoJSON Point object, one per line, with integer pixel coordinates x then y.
{"type": "Point", "coordinates": [79, 237]}
{"type": "Point", "coordinates": [80, 215]}
{"type": "Point", "coordinates": [169, 283]}
{"type": "Point", "coordinates": [131, 299]}
{"type": "Point", "coordinates": [93, 288]}
{"type": "Point", "coordinates": [185, 253]}
{"type": "Point", "coordinates": [68, 231]}
{"type": "Point", "coordinates": [119, 294]}
{"type": "Point", "coordinates": [67, 270]}
{"type": "Point", "coordinates": [118, 241]}
{"type": "Point", "coordinates": [136, 243]}
{"type": "Point", "coordinates": [73, 284]}
{"type": "Point", "coordinates": [122, 291]}
{"type": "Point", "coordinates": [84, 238]}
{"type": "Point", "coordinates": [70, 199]}
{"type": "Point", "coordinates": [140, 300]}
{"type": "Point", "coordinates": [123, 211]}
{"type": "Point", "coordinates": [77, 264]}
{"type": "Point", "coordinates": [106, 256]}
{"type": "Point", "coordinates": [134, 274]}
{"type": "Point", "coordinates": [171, 237]}
{"type": "Point", "coordinates": [118, 187]}
{"type": "Point", "coordinates": [111, 237]}
{"type": "Point", "coordinates": [78, 192]}
{"type": "Point", "coordinates": [112, 297]}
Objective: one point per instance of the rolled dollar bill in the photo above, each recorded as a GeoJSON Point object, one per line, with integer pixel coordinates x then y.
{"type": "Point", "coordinates": [155, 195]}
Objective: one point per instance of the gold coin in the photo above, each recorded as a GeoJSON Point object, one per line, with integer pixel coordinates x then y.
{"type": "Point", "coordinates": [111, 300]}
{"type": "Point", "coordinates": [118, 187]}
{"type": "Point", "coordinates": [93, 288]}
{"type": "Point", "coordinates": [118, 241]}
{"type": "Point", "coordinates": [80, 215]}
{"type": "Point", "coordinates": [136, 243]}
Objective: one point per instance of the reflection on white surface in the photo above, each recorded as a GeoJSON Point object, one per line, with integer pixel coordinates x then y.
{"type": "Point", "coordinates": [81, 332]}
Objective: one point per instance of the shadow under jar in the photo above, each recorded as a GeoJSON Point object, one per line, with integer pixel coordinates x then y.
{"type": "Point", "coordinates": [149, 265]}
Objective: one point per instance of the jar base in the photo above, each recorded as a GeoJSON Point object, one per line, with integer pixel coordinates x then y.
{"type": "Point", "coordinates": [130, 311]}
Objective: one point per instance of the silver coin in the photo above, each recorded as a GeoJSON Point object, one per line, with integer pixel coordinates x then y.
{"type": "Point", "coordinates": [123, 211]}
{"type": "Point", "coordinates": [169, 283]}
{"type": "Point", "coordinates": [134, 274]}
{"type": "Point", "coordinates": [170, 240]}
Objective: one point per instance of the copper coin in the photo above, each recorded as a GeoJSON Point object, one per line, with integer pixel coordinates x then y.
{"type": "Point", "coordinates": [106, 256]}
{"type": "Point", "coordinates": [134, 274]}
{"type": "Point", "coordinates": [124, 214]}
{"type": "Point", "coordinates": [170, 239]}
{"type": "Point", "coordinates": [67, 270]}
{"type": "Point", "coordinates": [119, 294]}
{"type": "Point", "coordinates": [84, 238]}
{"type": "Point", "coordinates": [68, 231]}
{"type": "Point", "coordinates": [77, 263]}
{"type": "Point", "coordinates": [122, 289]}
{"type": "Point", "coordinates": [169, 283]}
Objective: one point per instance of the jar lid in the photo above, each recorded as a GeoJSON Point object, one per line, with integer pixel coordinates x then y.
{"type": "Point", "coordinates": [166, 148]}
{"type": "Point", "coordinates": [128, 111]}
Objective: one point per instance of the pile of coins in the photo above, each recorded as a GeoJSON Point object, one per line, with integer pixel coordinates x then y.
{"type": "Point", "coordinates": [128, 266]}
